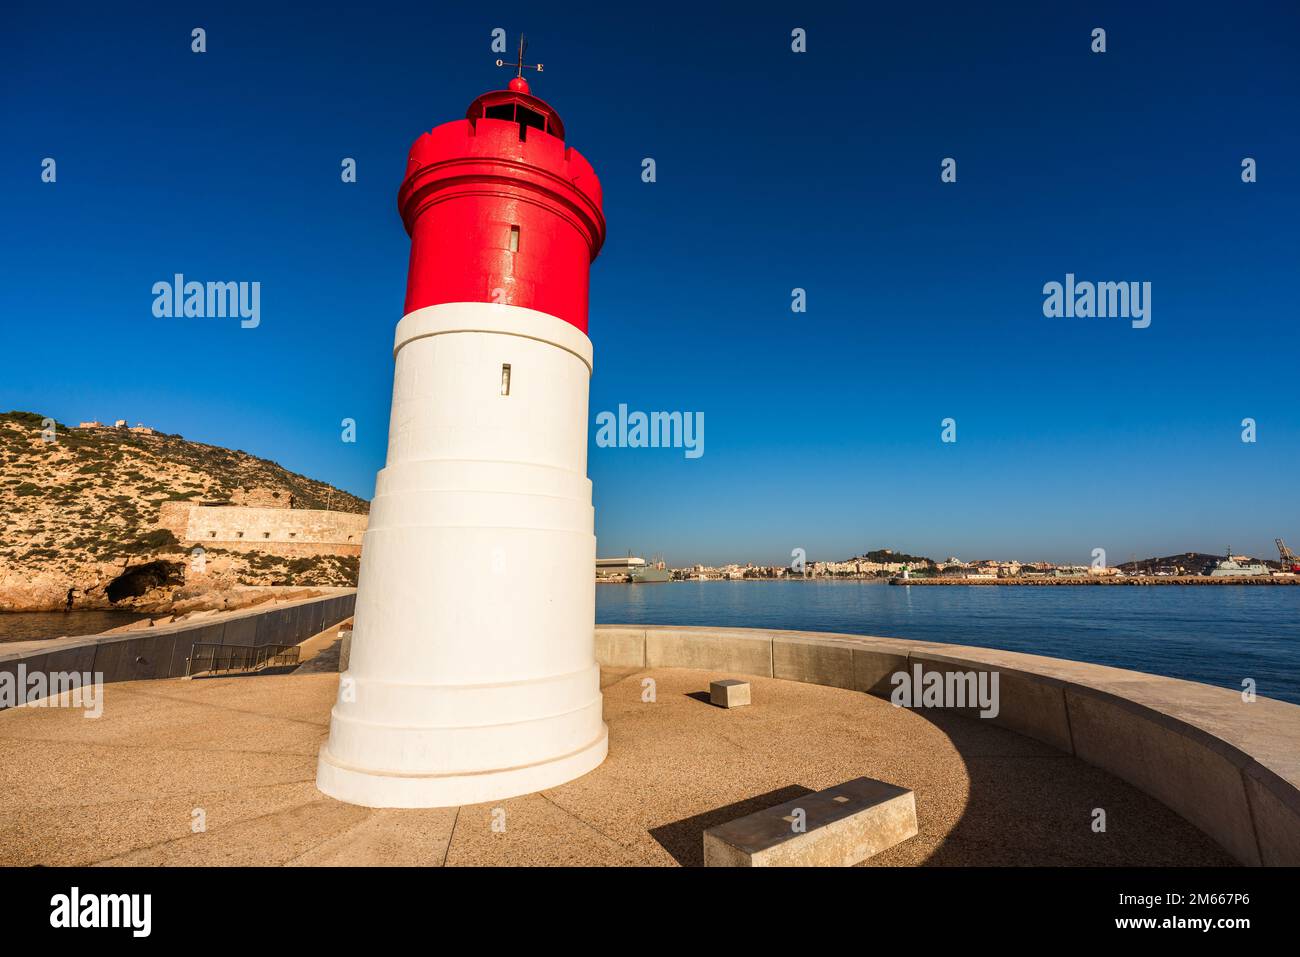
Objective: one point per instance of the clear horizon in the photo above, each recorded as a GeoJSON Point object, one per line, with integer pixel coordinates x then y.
{"type": "Point", "coordinates": [775, 171]}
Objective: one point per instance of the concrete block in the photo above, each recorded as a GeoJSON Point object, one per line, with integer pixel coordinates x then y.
{"type": "Point", "coordinates": [620, 647]}
{"type": "Point", "coordinates": [843, 826]}
{"type": "Point", "coordinates": [818, 661]}
{"type": "Point", "coordinates": [709, 650]}
{"type": "Point", "coordinates": [729, 693]}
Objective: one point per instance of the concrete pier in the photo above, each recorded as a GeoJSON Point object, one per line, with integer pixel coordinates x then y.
{"type": "Point", "coordinates": [1186, 773]}
{"type": "Point", "coordinates": [124, 789]}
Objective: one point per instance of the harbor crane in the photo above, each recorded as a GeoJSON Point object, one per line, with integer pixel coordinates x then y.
{"type": "Point", "coordinates": [1290, 563]}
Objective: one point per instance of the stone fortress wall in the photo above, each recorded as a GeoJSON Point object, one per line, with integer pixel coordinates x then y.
{"type": "Point", "coordinates": [291, 532]}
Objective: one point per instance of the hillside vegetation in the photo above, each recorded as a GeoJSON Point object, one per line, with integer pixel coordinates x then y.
{"type": "Point", "coordinates": [78, 510]}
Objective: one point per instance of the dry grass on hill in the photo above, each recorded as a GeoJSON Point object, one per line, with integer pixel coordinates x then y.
{"type": "Point", "coordinates": [75, 509]}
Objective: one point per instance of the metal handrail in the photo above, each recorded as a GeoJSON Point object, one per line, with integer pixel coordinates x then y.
{"type": "Point", "coordinates": [237, 659]}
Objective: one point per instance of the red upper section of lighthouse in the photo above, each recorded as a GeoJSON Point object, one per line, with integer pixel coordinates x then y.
{"type": "Point", "coordinates": [499, 210]}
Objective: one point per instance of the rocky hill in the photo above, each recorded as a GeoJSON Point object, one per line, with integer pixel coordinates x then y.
{"type": "Point", "coordinates": [886, 555]}
{"type": "Point", "coordinates": [1192, 563]}
{"type": "Point", "coordinates": [77, 511]}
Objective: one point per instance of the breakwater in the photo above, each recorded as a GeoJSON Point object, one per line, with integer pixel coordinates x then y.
{"type": "Point", "coordinates": [163, 651]}
{"type": "Point", "coordinates": [1113, 580]}
{"type": "Point", "coordinates": [1219, 636]}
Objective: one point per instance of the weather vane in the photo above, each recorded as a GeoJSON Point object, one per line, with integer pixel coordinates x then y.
{"type": "Point", "coordinates": [520, 65]}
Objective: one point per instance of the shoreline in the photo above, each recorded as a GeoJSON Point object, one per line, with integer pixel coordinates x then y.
{"type": "Point", "coordinates": [1134, 580]}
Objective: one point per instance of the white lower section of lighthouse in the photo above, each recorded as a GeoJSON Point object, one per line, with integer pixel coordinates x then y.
{"type": "Point", "coordinates": [472, 675]}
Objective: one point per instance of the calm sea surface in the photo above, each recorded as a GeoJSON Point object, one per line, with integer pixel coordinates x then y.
{"type": "Point", "coordinates": [1215, 634]}
{"type": "Point", "coordinates": [25, 626]}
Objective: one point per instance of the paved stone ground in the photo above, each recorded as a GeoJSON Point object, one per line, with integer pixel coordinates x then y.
{"type": "Point", "coordinates": [123, 789]}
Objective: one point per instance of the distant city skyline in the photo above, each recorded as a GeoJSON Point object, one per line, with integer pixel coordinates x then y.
{"type": "Point", "coordinates": [941, 559]}
{"type": "Point", "coordinates": [775, 172]}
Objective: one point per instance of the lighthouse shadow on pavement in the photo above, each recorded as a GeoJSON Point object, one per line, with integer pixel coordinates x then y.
{"type": "Point", "coordinates": [684, 839]}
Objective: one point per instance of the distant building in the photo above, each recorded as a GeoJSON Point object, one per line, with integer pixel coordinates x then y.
{"type": "Point", "coordinates": [631, 569]}
{"type": "Point", "coordinates": [118, 424]}
{"type": "Point", "coordinates": [617, 569]}
{"type": "Point", "coordinates": [1070, 571]}
{"type": "Point", "coordinates": [139, 427]}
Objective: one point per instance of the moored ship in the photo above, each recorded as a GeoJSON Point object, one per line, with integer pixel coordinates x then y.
{"type": "Point", "coordinates": [651, 572]}
{"type": "Point", "coordinates": [1238, 566]}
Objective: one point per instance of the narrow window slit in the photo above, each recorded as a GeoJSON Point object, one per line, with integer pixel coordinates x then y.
{"type": "Point", "coordinates": [514, 239]}
{"type": "Point", "coordinates": [505, 378]}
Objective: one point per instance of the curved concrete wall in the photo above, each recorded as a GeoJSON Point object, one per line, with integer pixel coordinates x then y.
{"type": "Point", "coordinates": [1230, 767]}
{"type": "Point", "coordinates": [161, 652]}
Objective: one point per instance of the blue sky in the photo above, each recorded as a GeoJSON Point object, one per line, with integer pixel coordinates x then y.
{"type": "Point", "coordinates": [775, 170]}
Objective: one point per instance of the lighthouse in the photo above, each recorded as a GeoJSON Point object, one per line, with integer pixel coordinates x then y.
{"type": "Point", "coordinates": [472, 672]}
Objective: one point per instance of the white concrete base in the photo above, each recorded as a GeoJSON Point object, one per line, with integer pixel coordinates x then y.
{"type": "Point", "coordinates": [374, 789]}
{"type": "Point", "coordinates": [472, 671]}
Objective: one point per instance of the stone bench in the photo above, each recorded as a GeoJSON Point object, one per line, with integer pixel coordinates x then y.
{"type": "Point", "coordinates": [838, 827]}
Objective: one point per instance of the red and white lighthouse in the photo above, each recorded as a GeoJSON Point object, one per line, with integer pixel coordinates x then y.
{"type": "Point", "coordinates": [472, 674]}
